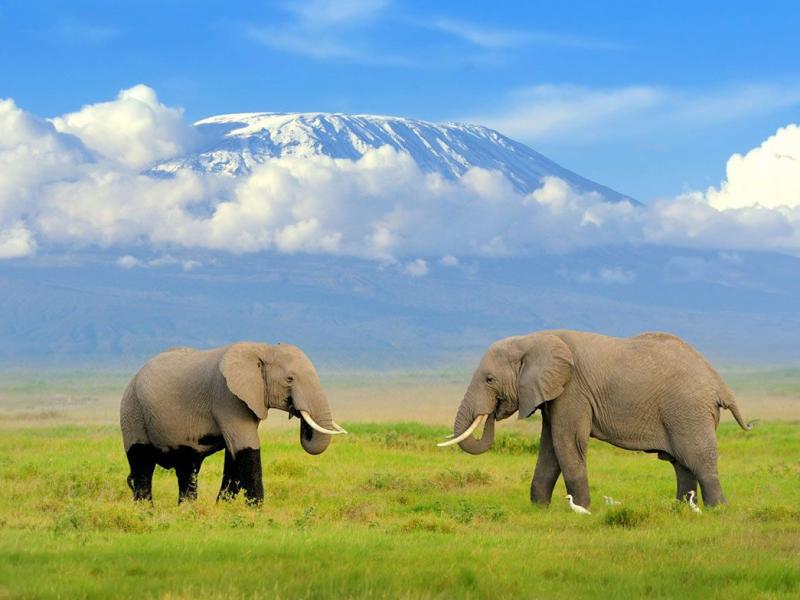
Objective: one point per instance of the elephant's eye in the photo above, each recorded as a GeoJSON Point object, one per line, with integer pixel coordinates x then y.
{"type": "Point", "coordinates": [489, 379]}
{"type": "Point", "coordinates": [290, 379]}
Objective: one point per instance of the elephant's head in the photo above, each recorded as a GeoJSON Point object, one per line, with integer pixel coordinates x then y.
{"type": "Point", "coordinates": [517, 374]}
{"type": "Point", "coordinates": [281, 377]}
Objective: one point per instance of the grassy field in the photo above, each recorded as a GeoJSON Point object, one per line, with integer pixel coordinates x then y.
{"type": "Point", "coordinates": [384, 513]}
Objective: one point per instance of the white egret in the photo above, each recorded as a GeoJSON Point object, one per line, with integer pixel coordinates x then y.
{"type": "Point", "coordinates": [692, 505]}
{"type": "Point", "coordinates": [577, 508]}
{"type": "Point", "coordinates": [610, 501]}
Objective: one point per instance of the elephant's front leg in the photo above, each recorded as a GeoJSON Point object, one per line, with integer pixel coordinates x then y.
{"type": "Point", "coordinates": [230, 485]}
{"type": "Point", "coordinates": [239, 427]}
{"type": "Point", "coordinates": [248, 469]}
{"type": "Point", "coordinates": [242, 471]}
{"type": "Point", "coordinates": [570, 429]}
{"type": "Point", "coordinates": [547, 469]}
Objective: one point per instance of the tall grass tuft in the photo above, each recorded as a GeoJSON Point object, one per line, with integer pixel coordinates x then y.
{"type": "Point", "coordinates": [625, 517]}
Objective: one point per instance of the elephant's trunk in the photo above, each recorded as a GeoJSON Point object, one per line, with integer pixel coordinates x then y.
{"type": "Point", "coordinates": [315, 414]}
{"type": "Point", "coordinates": [312, 441]}
{"type": "Point", "coordinates": [464, 419]}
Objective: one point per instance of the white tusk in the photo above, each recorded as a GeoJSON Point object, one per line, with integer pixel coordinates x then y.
{"type": "Point", "coordinates": [475, 424]}
{"type": "Point", "coordinates": [450, 436]}
{"type": "Point", "coordinates": [313, 424]}
{"type": "Point", "coordinates": [339, 427]}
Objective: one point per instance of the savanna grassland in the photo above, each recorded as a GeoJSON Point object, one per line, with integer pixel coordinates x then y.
{"type": "Point", "coordinates": [383, 512]}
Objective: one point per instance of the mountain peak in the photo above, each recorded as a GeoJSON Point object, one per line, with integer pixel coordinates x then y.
{"type": "Point", "coordinates": [234, 144]}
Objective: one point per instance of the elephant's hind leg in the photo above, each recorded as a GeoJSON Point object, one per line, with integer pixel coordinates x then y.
{"type": "Point", "coordinates": [142, 461]}
{"type": "Point", "coordinates": [701, 461]}
{"type": "Point", "coordinates": [187, 467]}
{"type": "Point", "coordinates": [710, 485]}
{"type": "Point", "coordinates": [686, 481]}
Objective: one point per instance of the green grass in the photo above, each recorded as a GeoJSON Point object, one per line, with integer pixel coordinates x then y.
{"type": "Point", "coordinates": [384, 513]}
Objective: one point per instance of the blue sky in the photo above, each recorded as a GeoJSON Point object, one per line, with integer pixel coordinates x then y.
{"type": "Point", "coordinates": [650, 98]}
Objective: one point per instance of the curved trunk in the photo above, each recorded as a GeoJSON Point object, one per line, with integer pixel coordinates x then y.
{"type": "Point", "coordinates": [312, 441]}
{"type": "Point", "coordinates": [464, 419]}
{"type": "Point", "coordinates": [313, 401]}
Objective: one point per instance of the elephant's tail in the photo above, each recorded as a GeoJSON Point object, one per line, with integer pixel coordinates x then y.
{"type": "Point", "coordinates": [727, 401]}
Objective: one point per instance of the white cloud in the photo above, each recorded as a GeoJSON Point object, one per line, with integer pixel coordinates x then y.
{"type": "Point", "coordinates": [131, 262]}
{"type": "Point", "coordinates": [449, 261]}
{"type": "Point", "coordinates": [78, 32]}
{"type": "Point", "coordinates": [327, 46]}
{"type": "Point", "coordinates": [317, 13]}
{"type": "Point", "coordinates": [60, 188]}
{"type": "Point", "coordinates": [32, 154]}
{"type": "Point", "coordinates": [768, 176]}
{"type": "Point", "coordinates": [608, 276]}
{"type": "Point", "coordinates": [553, 111]}
{"type": "Point", "coordinates": [135, 129]}
{"type": "Point", "coordinates": [190, 265]}
{"type": "Point", "coordinates": [326, 30]}
{"type": "Point", "coordinates": [306, 236]}
{"type": "Point", "coordinates": [16, 241]}
{"type": "Point", "coordinates": [416, 268]}
{"type": "Point", "coordinates": [497, 37]}
{"type": "Point", "coordinates": [549, 110]}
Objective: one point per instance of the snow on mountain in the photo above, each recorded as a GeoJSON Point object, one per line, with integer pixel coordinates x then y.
{"type": "Point", "coordinates": [234, 144]}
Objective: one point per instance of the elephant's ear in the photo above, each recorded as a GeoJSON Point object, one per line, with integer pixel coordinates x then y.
{"type": "Point", "coordinates": [546, 369]}
{"type": "Point", "coordinates": [242, 365]}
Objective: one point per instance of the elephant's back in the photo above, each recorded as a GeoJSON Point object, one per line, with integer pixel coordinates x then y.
{"type": "Point", "coordinates": [674, 355]}
{"type": "Point", "coordinates": [174, 392]}
{"type": "Point", "coordinates": [688, 386]}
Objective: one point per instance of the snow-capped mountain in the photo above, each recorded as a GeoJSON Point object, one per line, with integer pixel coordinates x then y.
{"type": "Point", "coordinates": [234, 144]}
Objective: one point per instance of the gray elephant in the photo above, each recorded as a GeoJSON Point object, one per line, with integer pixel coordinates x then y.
{"type": "Point", "coordinates": [186, 404]}
{"type": "Point", "coordinates": [653, 393]}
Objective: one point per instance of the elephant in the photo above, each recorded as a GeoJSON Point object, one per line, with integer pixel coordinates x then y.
{"type": "Point", "coordinates": [186, 404]}
{"type": "Point", "coordinates": [652, 393]}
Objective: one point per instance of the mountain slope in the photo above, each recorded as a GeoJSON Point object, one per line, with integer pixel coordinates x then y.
{"type": "Point", "coordinates": [236, 143]}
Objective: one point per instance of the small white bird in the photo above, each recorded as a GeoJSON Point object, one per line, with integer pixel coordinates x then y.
{"type": "Point", "coordinates": [692, 505]}
{"type": "Point", "coordinates": [577, 508]}
{"type": "Point", "coordinates": [610, 501]}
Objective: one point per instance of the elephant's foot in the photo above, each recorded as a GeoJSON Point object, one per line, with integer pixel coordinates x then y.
{"type": "Point", "coordinates": [228, 491]}
{"type": "Point", "coordinates": [542, 485]}
{"type": "Point", "coordinates": [541, 495]}
{"type": "Point", "coordinates": [712, 492]}
{"type": "Point", "coordinates": [188, 494]}
{"type": "Point", "coordinates": [142, 494]}
{"type": "Point", "coordinates": [579, 489]}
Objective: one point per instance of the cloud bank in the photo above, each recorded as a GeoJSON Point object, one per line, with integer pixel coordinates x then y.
{"type": "Point", "coordinates": [768, 175]}
{"type": "Point", "coordinates": [80, 180]}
